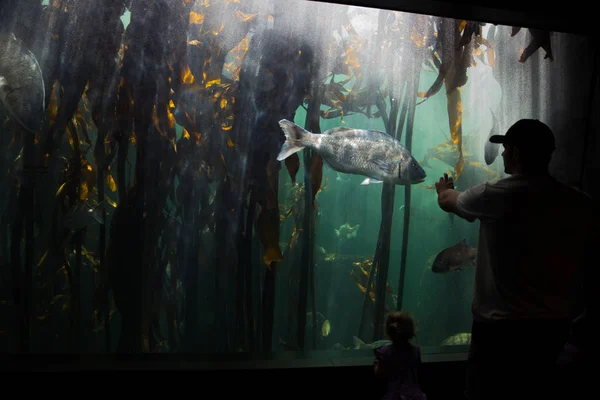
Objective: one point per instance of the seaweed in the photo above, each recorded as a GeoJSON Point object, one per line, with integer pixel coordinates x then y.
{"type": "Point", "coordinates": [170, 126]}
{"type": "Point", "coordinates": [410, 103]}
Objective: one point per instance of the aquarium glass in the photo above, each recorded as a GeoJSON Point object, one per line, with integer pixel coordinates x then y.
{"type": "Point", "coordinates": [143, 207]}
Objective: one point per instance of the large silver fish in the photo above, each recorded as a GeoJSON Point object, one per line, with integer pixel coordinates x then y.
{"type": "Point", "coordinates": [359, 344]}
{"type": "Point", "coordinates": [454, 258]}
{"type": "Point", "coordinates": [373, 154]}
{"type": "Point", "coordinates": [22, 92]}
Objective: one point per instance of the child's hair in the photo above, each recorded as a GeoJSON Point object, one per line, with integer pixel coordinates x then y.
{"type": "Point", "coordinates": [400, 326]}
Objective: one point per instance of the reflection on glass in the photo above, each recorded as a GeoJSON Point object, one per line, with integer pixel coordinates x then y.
{"type": "Point", "coordinates": [144, 207]}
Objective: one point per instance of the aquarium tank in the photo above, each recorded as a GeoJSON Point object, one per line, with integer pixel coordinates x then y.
{"type": "Point", "coordinates": [184, 176]}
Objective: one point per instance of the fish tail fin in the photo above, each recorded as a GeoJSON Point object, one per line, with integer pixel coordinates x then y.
{"type": "Point", "coordinates": [97, 212]}
{"type": "Point", "coordinates": [358, 344]}
{"type": "Point", "coordinates": [296, 139]}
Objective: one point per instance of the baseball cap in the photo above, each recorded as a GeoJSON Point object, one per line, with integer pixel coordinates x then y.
{"type": "Point", "coordinates": [528, 134]}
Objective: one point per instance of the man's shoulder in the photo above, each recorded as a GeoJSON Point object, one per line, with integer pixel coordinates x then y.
{"type": "Point", "coordinates": [508, 182]}
{"type": "Point", "coordinates": [499, 186]}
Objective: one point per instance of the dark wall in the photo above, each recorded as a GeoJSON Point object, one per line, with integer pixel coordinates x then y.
{"type": "Point", "coordinates": [176, 375]}
{"type": "Point", "coordinates": [439, 380]}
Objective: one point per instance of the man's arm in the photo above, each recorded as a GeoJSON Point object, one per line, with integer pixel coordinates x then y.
{"type": "Point", "coordinates": [448, 197]}
{"type": "Point", "coordinates": [447, 200]}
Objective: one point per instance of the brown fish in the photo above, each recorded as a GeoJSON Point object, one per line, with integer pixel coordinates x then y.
{"type": "Point", "coordinates": [454, 258]}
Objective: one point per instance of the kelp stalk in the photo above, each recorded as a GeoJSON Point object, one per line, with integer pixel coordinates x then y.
{"type": "Point", "coordinates": [74, 199]}
{"type": "Point", "coordinates": [250, 338]}
{"type": "Point", "coordinates": [367, 299]}
{"type": "Point", "coordinates": [306, 257]}
{"type": "Point", "coordinates": [99, 149]}
{"type": "Point", "coordinates": [385, 229]}
{"type": "Point", "coordinates": [22, 276]}
{"type": "Point", "coordinates": [308, 241]}
{"type": "Point", "coordinates": [411, 99]}
{"type": "Point", "coordinates": [383, 250]}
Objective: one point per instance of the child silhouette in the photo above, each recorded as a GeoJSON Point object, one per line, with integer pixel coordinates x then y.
{"type": "Point", "coordinates": [398, 362]}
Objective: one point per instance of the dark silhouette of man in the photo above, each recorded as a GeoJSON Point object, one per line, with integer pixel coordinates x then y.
{"type": "Point", "coordinates": [532, 240]}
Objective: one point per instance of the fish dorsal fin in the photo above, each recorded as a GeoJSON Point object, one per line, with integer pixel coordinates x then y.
{"type": "Point", "coordinates": [339, 129]}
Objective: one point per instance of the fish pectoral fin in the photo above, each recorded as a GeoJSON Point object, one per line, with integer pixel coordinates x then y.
{"type": "Point", "coordinates": [357, 342]}
{"type": "Point", "coordinates": [370, 180]}
{"type": "Point", "coordinates": [383, 165]}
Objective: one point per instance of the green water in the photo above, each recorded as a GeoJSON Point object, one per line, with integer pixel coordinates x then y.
{"type": "Point", "coordinates": [440, 303]}
{"type": "Point", "coordinates": [210, 320]}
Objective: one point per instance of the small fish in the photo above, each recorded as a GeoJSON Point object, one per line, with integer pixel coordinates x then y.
{"type": "Point", "coordinates": [370, 153]}
{"type": "Point", "coordinates": [454, 258]}
{"type": "Point", "coordinates": [325, 328]}
{"type": "Point", "coordinates": [445, 152]}
{"type": "Point", "coordinates": [359, 344]}
{"type": "Point", "coordinates": [346, 231]}
{"type": "Point", "coordinates": [82, 216]}
{"type": "Point", "coordinates": [321, 320]}
{"type": "Point", "coordinates": [458, 339]}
